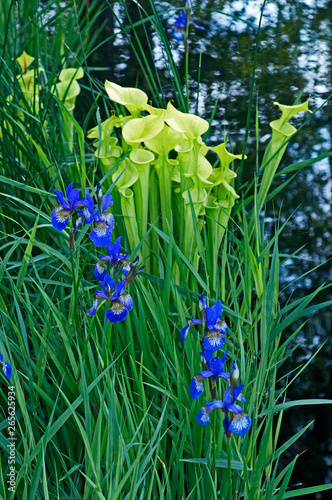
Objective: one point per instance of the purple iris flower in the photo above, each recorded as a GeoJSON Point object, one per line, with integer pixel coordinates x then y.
{"type": "Point", "coordinates": [180, 25]}
{"type": "Point", "coordinates": [216, 366]}
{"type": "Point", "coordinates": [120, 303]}
{"type": "Point", "coordinates": [7, 369]}
{"type": "Point", "coordinates": [103, 220]}
{"type": "Point", "coordinates": [61, 214]}
{"type": "Point", "coordinates": [214, 326]}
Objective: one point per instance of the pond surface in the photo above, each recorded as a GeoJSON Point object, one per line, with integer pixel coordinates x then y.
{"type": "Point", "coordinates": [294, 57]}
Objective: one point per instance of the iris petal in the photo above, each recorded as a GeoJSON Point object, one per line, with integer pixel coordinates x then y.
{"type": "Point", "coordinates": [240, 424]}
{"type": "Point", "coordinates": [101, 235]}
{"type": "Point", "coordinates": [7, 369]}
{"type": "Point", "coordinates": [196, 387]}
{"type": "Point", "coordinates": [234, 408]}
{"type": "Point", "coordinates": [221, 326]}
{"type": "Point", "coordinates": [184, 332]}
{"type": "Point", "coordinates": [228, 396]}
{"type": "Point", "coordinates": [100, 294]}
{"type": "Point", "coordinates": [127, 301]}
{"type": "Point", "coordinates": [61, 199]}
{"type": "Point", "coordinates": [109, 281]}
{"type": "Point", "coordinates": [99, 270]}
{"type": "Point", "coordinates": [215, 404]}
{"type": "Point", "coordinates": [208, 355]}
{"type": "Point", "coordinates": [69, 190]}
{"type": "Point", "coordinates": [107, 202]}
{"type": "Point", "coordinates": [178, 35]}
{"type": "Point", "coordinates": [126, 267]}
{"type": "Point", "coordinates": [73, 197]}
{"type": "Point", "coordinates": [203, 417]}
{"type": "Point", "coordinates": [88, 216]}
{"type": "Point", "coordinates": [225, 423]}
{"type": "Point", "coordinates": [93, 309]}
{"type": "Point", "coordinates": [216, 366]}
{"type": "Point", "coordinates": [117, 312]}
{"type": "Point", "coordinates": [114, 249]}
{"type": "Point", "coordinates": [214, 341]}
{"type": "Point", "coordinates": [213, 313]}
{"type": "Point", "coordinates": [78, 223]}
{"type": "Point", "coordinates": [89, 203]}
{"type": "Point", "coordinates": [119, 289]}
{"type": "Point", "coordinates": [109, 219]}
{"type": "Point", "coordinates": [241, 398]}
{"type": "Point", "coordinates": [60, 218]}
{"type": "Point", "coordinates": [237, 391]}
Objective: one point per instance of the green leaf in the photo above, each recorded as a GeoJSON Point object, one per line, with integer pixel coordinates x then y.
{"type": "Point", "coordinates": [235, 464]}
{"type": "Point", "coordinates": [291, 404]}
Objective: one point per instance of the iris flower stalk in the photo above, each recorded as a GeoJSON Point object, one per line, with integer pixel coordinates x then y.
{"type": "Point", "coordinates": [186, 49]}
{"type": "Point", "coordinates": [180, 32]}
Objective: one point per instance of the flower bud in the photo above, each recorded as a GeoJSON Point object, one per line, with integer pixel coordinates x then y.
{"type": "Point", "coordinates": [235, 374]}
{"type": "Point", "coordinates": [100, 198]}
{"type": "Point", "coordinates": [108, 291]}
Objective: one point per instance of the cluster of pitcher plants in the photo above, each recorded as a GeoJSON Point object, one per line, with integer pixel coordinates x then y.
{"type": "Point", "coordinates": [160, 169]}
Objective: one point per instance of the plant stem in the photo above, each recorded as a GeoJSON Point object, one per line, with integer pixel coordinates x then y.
{"type": "Point", "coordinates": [229, 450]}
{"type": "Point", "coordinates": [186, 48]}
{"type": "Point", "coordinates": [165, 188]}
{"type": "Point", "coordinates": [214, 451]}
{"type": "Point", "coordinates": [75, 297]}
{"type": "Point", "coordinates": [187, 71]}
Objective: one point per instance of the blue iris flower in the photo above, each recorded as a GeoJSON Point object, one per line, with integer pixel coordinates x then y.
{"type": "Point", "coordinates": [132, 270]}
{"type": "Point", "coordinates": [61, 214]}
{"type": "Point", "coordinates": [180, 25]}
{"type": "Point", "coordinates": [228, 404]}
{"type": "Point", "coordinates": [103, 220]}
{"type": "Point", "coordinates": [240, 423]}
{"type": "Point", "coordinates": [216, 366]}
{"type": "Point", "coordinates": [214, 326]}
{"type": "Point", "coordinates": [115, 257]}
{"type": "Point", "coordinates": [117, 260]}
{"type": "Point", "coordinates": [121, 303]}
{"type": "Point", "coordinates": [7, 369]}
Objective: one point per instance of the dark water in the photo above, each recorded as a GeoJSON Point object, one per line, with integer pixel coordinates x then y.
{"type": "Point", "coordinates": [294, 56]}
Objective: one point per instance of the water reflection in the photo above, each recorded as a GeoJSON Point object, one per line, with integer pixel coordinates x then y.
{"type": "Point", "coordinates": [294, 56]}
